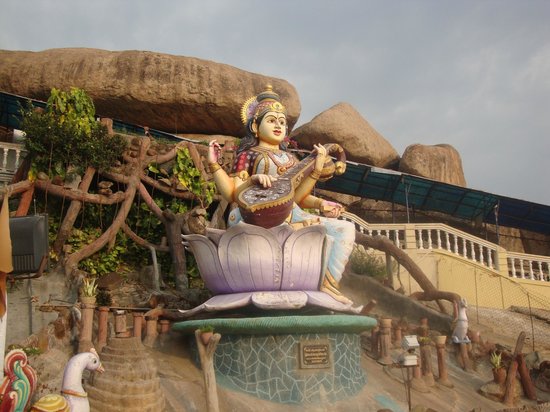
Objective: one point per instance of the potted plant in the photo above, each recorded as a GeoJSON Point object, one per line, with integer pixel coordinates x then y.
{"type": "Point", "coordinates": [499, 373]}
{"type": "Point", "coordinates": [206, 333]}
{"type": "Point", "coordinates": [88, 291]}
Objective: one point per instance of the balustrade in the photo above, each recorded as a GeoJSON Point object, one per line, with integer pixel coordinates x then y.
{"type": "Point", "coordinates": [531, 267]}
{"type": "Point", "coordinates": [11, 155]}
{"type": "Point", "coordinates": [431, 236]}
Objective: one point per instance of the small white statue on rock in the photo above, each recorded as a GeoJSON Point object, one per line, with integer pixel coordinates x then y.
{"type": "Point", "coordinates": [460, 332]}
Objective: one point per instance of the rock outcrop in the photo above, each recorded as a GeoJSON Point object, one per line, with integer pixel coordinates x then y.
{"type": "Point", "coordinates": [440, 162]}
{"type": "Point", "coordinates": [170, 93]}
{"type": "Point", "coordinates": [344, 125]}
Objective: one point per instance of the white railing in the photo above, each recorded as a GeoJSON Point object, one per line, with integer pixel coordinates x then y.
{"type": "Point", "coordinates": [532, 267]}
{"type": "Point", "coordinates": [395, 232]}
{"type": "Point", "coordinates": [11, 155]}
{"type": "Point", "coordinates": [437, 236]}
{"type": "Point", "coordinates": [443, 237]}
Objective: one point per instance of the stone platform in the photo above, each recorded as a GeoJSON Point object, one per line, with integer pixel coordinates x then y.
{"type": "Point", "coordinates": [289, 359]}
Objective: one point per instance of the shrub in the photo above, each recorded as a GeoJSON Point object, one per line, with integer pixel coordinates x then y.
{"type": "Point", "coordinates": [67, 136]}
{"type": "Point", "coordinates": [364, 262]}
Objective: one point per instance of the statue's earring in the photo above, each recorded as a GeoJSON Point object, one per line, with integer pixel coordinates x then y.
{"type": "Point", "coordinates": [255, 128]}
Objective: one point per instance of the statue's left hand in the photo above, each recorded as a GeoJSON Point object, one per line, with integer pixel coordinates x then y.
{"type": "Point", "coordinates": [321, 156]}
{"type": "Point", "coordinates": [331, 209]}
{"type": "Point", "coordinates": [214, 150]}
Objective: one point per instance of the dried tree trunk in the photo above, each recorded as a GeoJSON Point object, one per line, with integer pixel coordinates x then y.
{"type": "Point", "coordinates": [512, 370]}
{"type": "Point", "coordinates": [48, 186]}
{"type": "Point", "coordinates": [430, 292]}
{"type": "Point", "coordinates": [173, 224]}
{"type": "Point", "coordinates": [15, 188]}
{"type": "Point", "coordinates": [133, 182]}
{"type": "Point", "coordinates": [206, 355]}
{"type": "Point", "coordinates": [72, 213]}
{"type": "Point", "coordinates": [25, 202]}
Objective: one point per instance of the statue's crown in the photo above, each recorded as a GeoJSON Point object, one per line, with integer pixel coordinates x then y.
{"type": "Point", "coordinates": [256, 106]}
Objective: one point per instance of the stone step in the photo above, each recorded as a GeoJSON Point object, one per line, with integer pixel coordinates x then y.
{"type": "Point", "coordinates": [127, 372]}
{"type": "Point", "coordinates": [138, 361]}
{"type": "Point", "coordinates": [140, 386]}
{"type": "Point", "coordinates": [125, 404]}
{"type": "Point", "coordinates": [131, 343]}
{"type": "Point", "coordinates": [118, 351]}
{"type": "Point", "coordinates": [134, 399]}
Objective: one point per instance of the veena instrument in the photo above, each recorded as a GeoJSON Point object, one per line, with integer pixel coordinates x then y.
{"type": "Point", "coordinates": [269, 207]}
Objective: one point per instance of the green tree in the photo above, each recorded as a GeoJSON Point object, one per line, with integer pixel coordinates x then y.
{"type": "Point", "coordinates": [66, 135]}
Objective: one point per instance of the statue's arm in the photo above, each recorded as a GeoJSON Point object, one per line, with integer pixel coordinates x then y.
{"type": "Point", "coordinates": [302, 193]}
{"type": "Point", "coordinates": [225, 184]}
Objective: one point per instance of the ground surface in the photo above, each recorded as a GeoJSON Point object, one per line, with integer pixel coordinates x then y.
{"type": "Point", "coordinates": [182, 379]}
{"type": "Point", "coordinates": [183, 386]}
{"type": "Point", "coordinates": [182, 383]}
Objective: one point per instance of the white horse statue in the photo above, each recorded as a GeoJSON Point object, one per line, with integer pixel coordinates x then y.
{"type": "Point", "coordinates": [74, 398]}
{"type": "Point", "coordinates": [460, 332]}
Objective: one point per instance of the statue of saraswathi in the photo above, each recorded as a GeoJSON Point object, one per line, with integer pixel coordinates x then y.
{"type": "Point", "coordinates": [272, 188]}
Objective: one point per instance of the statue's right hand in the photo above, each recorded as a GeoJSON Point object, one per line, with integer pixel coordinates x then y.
{"type": "Point", "coordinates": [214, 150]}
{"type": "Point", "coordinates": [264, 180]}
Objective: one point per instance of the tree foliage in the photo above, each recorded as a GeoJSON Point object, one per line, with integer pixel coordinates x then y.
{"type": "Point", "coordinates": [66, 136]}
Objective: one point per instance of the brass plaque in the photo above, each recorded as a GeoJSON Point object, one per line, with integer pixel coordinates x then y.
{"type": "Point", "coordinates": [315, 354]}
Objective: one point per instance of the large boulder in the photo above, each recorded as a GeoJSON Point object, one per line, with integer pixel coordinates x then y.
{"type": "Point", "coordinates": [439, 162]}
{"type": "Point", "coordinates": [344, 125]}
{"type": "Point", "coordinates": [171, 93]}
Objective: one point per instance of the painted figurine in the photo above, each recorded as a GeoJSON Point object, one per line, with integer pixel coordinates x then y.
{"type": "Point", "coordinates": [73, 397]}
{"type": "Point", "coordinates": [261, 160]}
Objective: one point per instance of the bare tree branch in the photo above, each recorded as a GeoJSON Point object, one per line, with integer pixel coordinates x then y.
{"type": "Point", "coordinates": [430, 292]}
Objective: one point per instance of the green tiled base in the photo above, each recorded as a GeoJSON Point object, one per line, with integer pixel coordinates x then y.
{"type": "Point", "coordinates": [268, 367]}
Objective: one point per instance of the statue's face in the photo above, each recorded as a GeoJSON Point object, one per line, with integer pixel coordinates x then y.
{"type": "Point", "coordinates": [273, 128]}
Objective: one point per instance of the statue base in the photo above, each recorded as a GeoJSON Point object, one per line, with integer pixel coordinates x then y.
{"type": "Point", "coordinates": [289, 359]}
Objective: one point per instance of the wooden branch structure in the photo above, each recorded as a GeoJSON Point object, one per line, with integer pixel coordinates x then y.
{"type": "Point", "coordinates": [206, 355]}
{"type": "Point", "coordinates": [132, 175]}
{"type": "Point", "coordinates": [510, 390]}
{"type": "Point", "coordinates": [430, 292]}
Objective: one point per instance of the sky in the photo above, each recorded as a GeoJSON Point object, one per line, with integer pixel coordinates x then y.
{"type": "Point", "coordinates": [472, 74]}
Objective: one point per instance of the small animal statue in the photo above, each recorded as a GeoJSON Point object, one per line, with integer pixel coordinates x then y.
{"type": "Point", "coordinates": [19, 382]}
{"type": "Point", "coordinates": [74, 398]}
{"type": "Point", "coordinates": [460, 332]}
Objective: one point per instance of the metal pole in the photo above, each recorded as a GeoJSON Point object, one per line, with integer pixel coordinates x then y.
{"type": "Point", "coordinates": [407, 200]}
{"type": "Point", "coordinates": [531, 318]}
{"type": "Point", "coordinates": [409, 388]}
{"type": "Point", "coordinates": [496, 224]}
{"type": "Point", "coordinates": [477, 302]}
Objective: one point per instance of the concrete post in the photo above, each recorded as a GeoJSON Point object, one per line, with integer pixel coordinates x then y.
{"type": "Point", "coordinates": [398, 336]}
{"type": "Point", "coordinates": [151, 331]}
{"type": "Point", "coordinates": [385, 342]}
{"type": "Point", "coordinates": [426, 355]}
{"type": "Point", "coordinates": [102, 327]}
{"type": "Point", "coordinates": [138, 324]}
{"type": "Point", "coordinates": [164, 326]}
{"type": "Point", "coordinates": [417, 383]}
{"type": "Point", "coordinates": [87, 307]}
{"type": "Point", "coordinates": [121, 331]}
{"type": "Point", "coordinates": [375, 342]}
{"type": "Point", "coordinates": [442, 362]}
{"type": "Point", "coordinates": [410, 237]}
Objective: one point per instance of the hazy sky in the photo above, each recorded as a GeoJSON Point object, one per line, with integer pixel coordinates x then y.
{"type": "Point", "coordinates": [473, 74]}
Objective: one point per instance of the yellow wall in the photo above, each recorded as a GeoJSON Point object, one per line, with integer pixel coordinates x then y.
{"type": "Point", "coordinates": [486, 288]}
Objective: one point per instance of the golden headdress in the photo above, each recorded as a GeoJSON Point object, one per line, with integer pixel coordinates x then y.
{"type": "Point", "coordinates": [257, 106]}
